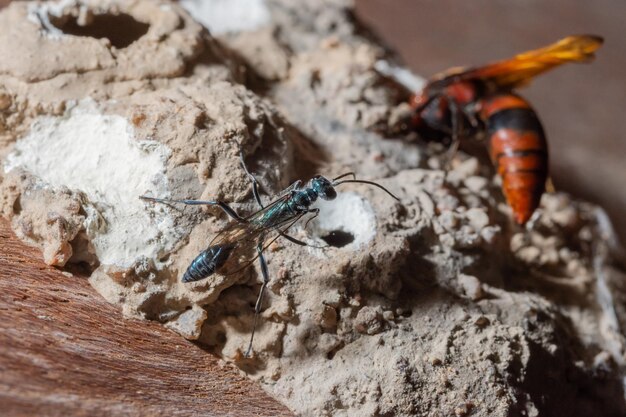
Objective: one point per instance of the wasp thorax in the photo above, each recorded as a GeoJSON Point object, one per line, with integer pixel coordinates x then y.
{"type": "Point", "coordinates": [323, 187]}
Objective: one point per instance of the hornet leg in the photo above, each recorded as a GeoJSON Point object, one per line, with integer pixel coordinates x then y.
{"type": "Point", "coordinates": [225, 207]}
{"type": "Point", "coordinates": [259, 301]}
{"type": "Point", "coordinates": [456, 127]}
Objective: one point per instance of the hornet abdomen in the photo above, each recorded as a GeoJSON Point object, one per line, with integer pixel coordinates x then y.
{"type": "Point", "coordinates": [207, 262]}
{"type": "Point", "coordinates": [519, 151]}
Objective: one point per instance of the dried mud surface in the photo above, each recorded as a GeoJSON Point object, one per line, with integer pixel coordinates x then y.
{"type": "Point", "coordinates": [439, 306]}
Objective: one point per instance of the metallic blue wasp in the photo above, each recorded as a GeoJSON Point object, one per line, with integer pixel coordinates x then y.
{"type": "Point", "coordinates": [245, 238]}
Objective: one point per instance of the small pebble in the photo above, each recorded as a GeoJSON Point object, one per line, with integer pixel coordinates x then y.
{"type": "Point", "coordinates": [448, 220]}
{"type": "Point", "coordinates": [447, 239]}
{"type": "Point", "coordinates": [603, 361]}
{"type": "Point", "coordinates": [518, 241]}
{"type": "Point", "coordinates": [529, 254]}
{"type": "Point", "coordinates": [567, 217]}
{"type": "Point", "coordinates": [482, 322]}
{"type": "Point", "coordinates": [476, 184]}
{"type": "Point", "coordinates": [460, 411]}
{"type": "Point", "coordinates": [388, 315]}
{"type": "Point", "coordinates": [471, 286]}
{"type": "Point", "coordinates": [477, 218]}
{"type": "Point", "coordinates": [467, 168]}
{"type": "Point", "coordinates": [327, 318]}
{"type": "Point", "coordinates": [189, 323]}
{"type": "Point", "coordinates": [369, 320]}
{"type": "Point", "coordinates": [5, 101]}
{"type": "Point", "coordinates": [489, 233]}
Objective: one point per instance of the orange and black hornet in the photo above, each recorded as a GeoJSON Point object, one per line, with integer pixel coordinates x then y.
{"type": "Point", "coordinates": [463, 103]}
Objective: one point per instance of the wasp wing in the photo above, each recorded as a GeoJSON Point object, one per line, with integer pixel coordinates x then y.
{"type": "Point", "coordinates": [263, 226]}
{"type": "Point", "coordinates": [247, 257]}
{"type": "Point", "coordinates": [521, 69]}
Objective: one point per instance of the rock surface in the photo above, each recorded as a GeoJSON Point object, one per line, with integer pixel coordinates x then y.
{"type": "Point", "coordinates": [437, 305]}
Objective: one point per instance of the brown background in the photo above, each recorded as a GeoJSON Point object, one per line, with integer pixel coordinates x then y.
{"type": "Point", "coordinates": [582, 107]}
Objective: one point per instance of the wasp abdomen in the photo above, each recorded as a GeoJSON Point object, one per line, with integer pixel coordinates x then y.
{"type": "Point", "coordinates": [207, 263]}
{"type": "Point", "coordinates": [519, 151]}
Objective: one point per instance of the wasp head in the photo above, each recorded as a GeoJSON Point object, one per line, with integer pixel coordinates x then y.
{"type": "Point", "coordinates": [323, 187]}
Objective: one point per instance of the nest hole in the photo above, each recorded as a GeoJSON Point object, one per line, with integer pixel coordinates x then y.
{"type": "Point", "coordinates": [120, 29]}
{"type": "Point", "coordinates": [338, 238]}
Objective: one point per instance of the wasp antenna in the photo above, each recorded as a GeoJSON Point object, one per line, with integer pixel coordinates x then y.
{"type": "Point", "coordinates": [345, 175]}
{"type": "Point", "coordinates": [370, 183]}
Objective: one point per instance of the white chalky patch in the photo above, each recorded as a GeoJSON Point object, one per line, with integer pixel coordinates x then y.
{"type": "Point", "coordinates": [400, 74]}
{"type": "Point", "coordinates": [229, 16]}
{"type": "Point", "coordinates": [40, 13]}
{"type": "Point", "coordinates": [350, 213]}
{"type": "Point", "coordinates": [97, 154]}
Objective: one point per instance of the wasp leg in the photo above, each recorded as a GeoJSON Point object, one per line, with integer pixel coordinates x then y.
{"type": "Point", "coordinates": [225, 207]}
{"type": "Point", "coordinates": [255, 183]}
{"type": "Point", "coordinates": [317, 213]}
{"type": "Point", "coordinates": [294, 240]}
{"type": "Point", "coordinates": [256, 186]}
{"type": "Point", "coordinates": [259, 301]}
{"type": "Point", "coordinates": [299, 242]}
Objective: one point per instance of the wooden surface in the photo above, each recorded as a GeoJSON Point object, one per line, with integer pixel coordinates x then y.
{"type": "Point", "coordinates": [64, 351]}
